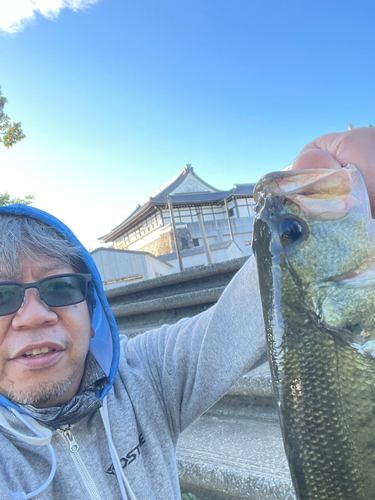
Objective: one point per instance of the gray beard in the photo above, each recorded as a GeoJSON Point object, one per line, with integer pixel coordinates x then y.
{"type": "Point", "coordinates": [84, 403]}
{"type": "Point", "coordinates": [42, 394]}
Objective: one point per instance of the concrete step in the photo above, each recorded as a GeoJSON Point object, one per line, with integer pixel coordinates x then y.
{"type": "Point", "coordinates": [241, 407]}
{"type": "Point", "coordinates": [256, 384]}
{"type": "Point", "coordinates": [148, 304]}
{"type": "Point", "coordinates": [191, 298]}
{"type": "Point", "coordinates": [227, 458]}
{"type": "Point", "coordinates": [251, 397]}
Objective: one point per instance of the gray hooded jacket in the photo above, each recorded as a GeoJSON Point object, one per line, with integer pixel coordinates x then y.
{"type": "Point", "coordinates": [117, 438]}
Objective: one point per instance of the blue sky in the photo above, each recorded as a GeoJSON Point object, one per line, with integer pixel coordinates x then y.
{"type": "Point", "coordinates": [117, 97]}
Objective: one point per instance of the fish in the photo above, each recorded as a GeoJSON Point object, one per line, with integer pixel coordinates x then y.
{"type": "Point", "coordinates": [314, 243]}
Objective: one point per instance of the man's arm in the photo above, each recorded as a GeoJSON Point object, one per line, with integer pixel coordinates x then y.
{"type": "Point", "coordinates": [195, 362]}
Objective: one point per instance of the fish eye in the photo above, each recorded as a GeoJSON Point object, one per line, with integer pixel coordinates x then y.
{"type": "Point", "coordinates": [290, 230]}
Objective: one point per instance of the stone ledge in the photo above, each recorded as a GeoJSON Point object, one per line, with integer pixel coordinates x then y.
{"type": "Point", "coordinates": [243, 459]}
{"type": "Point", "coordinates": [238, 407]}
{"type": "Point", "coordinates": [229, 266]}
{"type": "Point", "coordinates": [209, 296]}
{"type": "Point", "coordinates": [255, 383]}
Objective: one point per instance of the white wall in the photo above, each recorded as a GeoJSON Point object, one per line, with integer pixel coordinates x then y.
{"type": "Point", "coordinates": [115, 265]}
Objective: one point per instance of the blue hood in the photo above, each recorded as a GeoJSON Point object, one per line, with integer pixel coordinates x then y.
{"type": "Point", "coordinates": [106, 343]}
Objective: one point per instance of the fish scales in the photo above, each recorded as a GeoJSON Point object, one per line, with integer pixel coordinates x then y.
{"type": "Point", "coordinates": [318, 296]}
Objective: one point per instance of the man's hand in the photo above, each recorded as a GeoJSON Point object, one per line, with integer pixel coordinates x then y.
{"type": "Point", "coordinates": [355, 146]}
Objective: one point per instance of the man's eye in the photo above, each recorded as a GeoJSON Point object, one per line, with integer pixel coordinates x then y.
{"type": "Point", "coordinates": [57, 285]}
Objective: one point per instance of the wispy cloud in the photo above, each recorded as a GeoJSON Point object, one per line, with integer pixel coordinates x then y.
{"type": "Point", "coordinates": [16, 14]}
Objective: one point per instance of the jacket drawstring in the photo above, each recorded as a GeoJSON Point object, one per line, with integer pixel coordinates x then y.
{"type": "Point", "coordinates": [121, 478]}
{"type": "Point", "coordinates": [43, 438]}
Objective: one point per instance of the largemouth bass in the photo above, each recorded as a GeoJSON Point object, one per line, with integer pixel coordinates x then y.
{"type": "Point", "coordinates": [314, 241]}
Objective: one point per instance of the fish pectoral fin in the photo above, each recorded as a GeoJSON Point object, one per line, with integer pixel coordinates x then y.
{"type": "Point", "coordinates": [367, 349]}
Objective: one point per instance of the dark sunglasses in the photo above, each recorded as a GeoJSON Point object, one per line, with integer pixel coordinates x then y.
{"type": "Point", "coordinates": [56, 291]}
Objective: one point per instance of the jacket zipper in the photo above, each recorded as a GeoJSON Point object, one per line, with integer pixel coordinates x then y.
{"type": "Point", "coordinates": [85, 475]}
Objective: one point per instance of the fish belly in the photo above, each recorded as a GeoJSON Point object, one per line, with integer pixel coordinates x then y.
{"type": "Point", "coordinates": [326, 393]}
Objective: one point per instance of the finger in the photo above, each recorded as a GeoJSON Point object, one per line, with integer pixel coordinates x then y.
{"type": "Point", "coordinates": [320, 153]}
{"type": "Point", "coordinates": [315, 158]}
{"type": "Point", "coordinates": [355, 146]}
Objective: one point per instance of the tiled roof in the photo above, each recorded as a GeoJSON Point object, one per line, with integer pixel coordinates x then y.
{"type": "Point", "coordinates": [243, 189]}
{"type": "Point", "coordinates": [199, 198]}
{"type": "Point", "coordinates": [159, 199]}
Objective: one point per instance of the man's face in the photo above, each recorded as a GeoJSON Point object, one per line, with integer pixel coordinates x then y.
{"type": "Point", "coordinates": [58, 338]}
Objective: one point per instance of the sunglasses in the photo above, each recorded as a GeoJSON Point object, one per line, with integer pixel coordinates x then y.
{"type": "Point", "coordinates": [56, 291]}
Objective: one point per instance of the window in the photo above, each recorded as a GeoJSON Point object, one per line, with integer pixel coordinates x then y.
{"type": "Point", "coordinates": [231, 212]}
{"type": "Point", "coordinates": [196, 242]}
{"type": "Point", "coordinates": [243, 212]}
{"type": "Point", "coordinates": [220, 216]}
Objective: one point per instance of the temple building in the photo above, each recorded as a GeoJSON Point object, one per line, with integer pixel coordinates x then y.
{"type": "Point", "coordinates": [204, 221]}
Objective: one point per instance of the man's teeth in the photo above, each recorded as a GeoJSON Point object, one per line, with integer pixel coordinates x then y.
{"type": "Point", "coordinates": [38, 352]}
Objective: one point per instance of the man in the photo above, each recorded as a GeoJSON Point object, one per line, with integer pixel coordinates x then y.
{"type": "Point", "coordinates": [85, 416]}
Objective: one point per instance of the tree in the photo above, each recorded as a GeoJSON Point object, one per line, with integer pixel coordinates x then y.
{"type": "Point", "coordinates": [10, 133]}
{"type": "Point", "coordinates": [5, 199]}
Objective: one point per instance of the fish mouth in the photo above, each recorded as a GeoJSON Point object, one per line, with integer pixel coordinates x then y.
{"type": "Point", "coordinates": [310, 182]}
{"type": "Point", "coordinates": [321, 194]}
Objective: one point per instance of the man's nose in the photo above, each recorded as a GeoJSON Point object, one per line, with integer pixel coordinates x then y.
{"type": "Point", "coordinates": [34, 312]}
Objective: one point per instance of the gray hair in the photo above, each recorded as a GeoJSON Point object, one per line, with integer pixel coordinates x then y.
{"type": "Point", "coordinates": [23, 236]}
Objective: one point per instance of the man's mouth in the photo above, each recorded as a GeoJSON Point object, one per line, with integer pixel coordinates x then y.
{"type": "Point", "coordinates": [37, 353]}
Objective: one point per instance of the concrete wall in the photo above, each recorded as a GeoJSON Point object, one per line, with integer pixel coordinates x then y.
{"type": "Point", "coordinates": [146, 242]}
{"type": "Point", "coordinates": [160, 246]}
